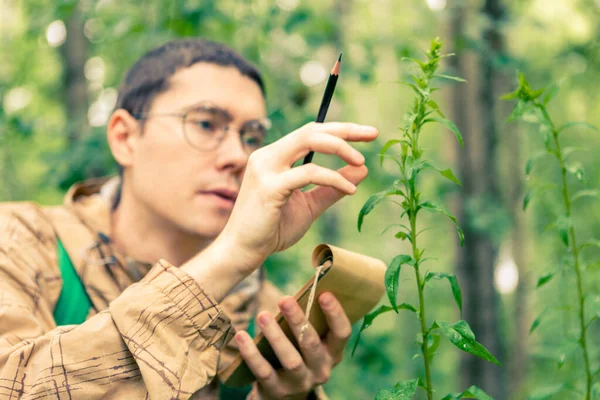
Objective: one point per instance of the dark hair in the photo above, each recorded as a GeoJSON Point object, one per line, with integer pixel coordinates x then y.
{"type": "Point", "coordinates": [150, 75]}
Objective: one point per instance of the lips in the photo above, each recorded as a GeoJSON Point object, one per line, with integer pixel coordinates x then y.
{"type": "Point", "coordinates": [227, 194]}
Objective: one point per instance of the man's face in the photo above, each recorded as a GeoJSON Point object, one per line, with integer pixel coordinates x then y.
{"type": "Point", "coordinates": [191, 189]}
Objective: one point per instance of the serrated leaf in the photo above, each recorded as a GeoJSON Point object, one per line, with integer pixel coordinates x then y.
{"type": "Point", "coordinates": [585, 193]}
{"type": "Point", "coordinates": [453, 284]}
{"type": "Point", "coordinates": [450, 125]}
{"type": "Point", "coordinates": [461, 335]}
{"type": "Point", "coordinates": [471, 393]}
{"type": "Point", "coordinates": [569, 125]}
{"type": "Point", "coordinates": [453, 78]}
{"type": "Point", "coordinates": [385, 148]}
{"type": "Point", "coordinates": [403, 390]}
{"type": "Point", "coordinates": [544, 279]}
{"type": "Point", "coordinates": [434, 207]}
{"type": "Point", "coordinates": [406, 389]}
{"type": "Point", "coordinates": [392, 275]}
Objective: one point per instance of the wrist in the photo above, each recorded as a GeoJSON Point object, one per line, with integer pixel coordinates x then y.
{"type": "Point", "coordinates": [220, 267]}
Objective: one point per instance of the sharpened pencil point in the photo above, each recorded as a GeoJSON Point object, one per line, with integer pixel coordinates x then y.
{"type": "Point", "coordinates": [340, 57]}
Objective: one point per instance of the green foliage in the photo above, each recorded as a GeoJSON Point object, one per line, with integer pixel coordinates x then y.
{"type": "Point", "coordinates": [411, 163]}
{"type": "Point", "coordinates": [529, 105]}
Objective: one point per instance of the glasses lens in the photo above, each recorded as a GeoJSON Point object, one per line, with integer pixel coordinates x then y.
{"type": "Point", "coordinates": [254, 135]}
{"type": "Point", "coordinates": [204, 128]}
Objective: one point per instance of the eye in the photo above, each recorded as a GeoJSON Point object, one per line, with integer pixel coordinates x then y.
{"type": "Point", "coordinates": [206, 125]}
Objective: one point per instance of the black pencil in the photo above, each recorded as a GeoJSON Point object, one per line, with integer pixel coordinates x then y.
{"type": "Point", "coordinates": [329, 89]}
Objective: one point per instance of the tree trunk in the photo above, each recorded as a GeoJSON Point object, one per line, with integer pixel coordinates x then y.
{"type": "Point", "coordinates": [473, 112]}
{"type": "Point", "coordinates": [74, 56]}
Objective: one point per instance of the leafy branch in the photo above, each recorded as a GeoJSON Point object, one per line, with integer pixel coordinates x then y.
{"type": "Point", "coordinates": [411, 163]}
{"type": "Point", "coordinates": [531, 104]}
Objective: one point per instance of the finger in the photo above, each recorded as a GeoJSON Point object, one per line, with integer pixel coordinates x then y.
{"type": "Point", "coordinates": [314, 352]}
{"type": "Point", "coordinates": [285, 351]}
{"type": "Point", "coordinates": [299, 177]}
{"type": "Point", "coordinates": [299, 141]}
{"type": "Point", "coordinates": [321, 198]}
{"type": "Point", "coordinates": [321, 142]}
{"type": "Point", "coordinates": [339, 325]}
{"type": "Point", "coordinates": [262, 370]}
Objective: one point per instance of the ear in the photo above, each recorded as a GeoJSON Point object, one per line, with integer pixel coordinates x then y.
{"type": "Point", "coordinates": [122, 133]}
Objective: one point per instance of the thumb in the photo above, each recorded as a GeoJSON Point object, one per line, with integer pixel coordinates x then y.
{"type": "Point", "coordinates": [321, 198]}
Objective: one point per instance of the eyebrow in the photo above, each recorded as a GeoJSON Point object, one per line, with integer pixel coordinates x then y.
{"type": "Point", "coordinates": [213, 108]}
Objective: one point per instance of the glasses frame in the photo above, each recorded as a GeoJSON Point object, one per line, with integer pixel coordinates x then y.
{"type": "Point", "coordinates": [265, 122]}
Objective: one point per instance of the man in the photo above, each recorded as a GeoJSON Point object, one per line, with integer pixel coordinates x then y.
{"type": "Point", "coordinates": [189, 124]}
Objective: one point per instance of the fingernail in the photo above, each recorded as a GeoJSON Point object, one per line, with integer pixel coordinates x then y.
{"type": "Point", "coordinates": [368, 129]}
{"type": "Point", "coordinates": [326, 300]}
{"type": "Point", "coordinates": [287, 305]}
{"type": "Point", "coordinates": [240, 338]}
{"type": "Point", "coordinates": [264, 319]}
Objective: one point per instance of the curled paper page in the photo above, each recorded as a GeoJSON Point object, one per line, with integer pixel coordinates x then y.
{"type": "Point", "coordinates": [356, 280]}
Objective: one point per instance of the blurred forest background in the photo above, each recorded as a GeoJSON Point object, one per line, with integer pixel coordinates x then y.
{"type": "Point", "coordinates": [62, 61]}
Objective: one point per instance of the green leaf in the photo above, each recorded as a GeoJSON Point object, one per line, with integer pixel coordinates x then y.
{"type": "Point", "coordinates": [385, 148]}
{"type": "Point", "coordinates": [544, 279]}
{"type": "Point", "coordinates": [550, 93]}
{"type": "Point", "coordinates": [453, 78]}
{"type": "Point", "coordinates": [446, 173]}
{"type": "Point", "coordinates": [369, 318]}
{"type": "Point", "coordinates": [527, 199]}
{"type": "Point", "coordinates": [403, 390]}
{"type": "Point", "coordinates": [453, 284]}
{"type": "Point", "coordinates": [569, 125]}
{"type": "Point", "coordinates": [585, 193]}
{"type": "Point", "coordinates": [368, 321]}
{"type": "Point", "coordinates": [471, 393]}
{"type": "Point", "coordinates": [536, 156]}
{"type": "Point", "coordinates": [435, 107]}
{"type": "Point", "coordinates": [450, 125]}
{"type": "Point", "coordinates": [563, 224]}
{"type": "Point", "coordinates": [590, 243]}
{"type": "Point", "coordinates": [434, 207]}
{"type": "Point", "coordinates": [461, 335]}
{"type": "Point", "coordinates": [403, 236]}
{"type": "Point", "coordinates": [435, 343]}
{"type": "Point", "coordinates": [576, 169]}
{"type": "Point", "coordinates": [547, 393]}
{"type": "Point", "coordinates": [392, 275]}
{"type": "Point", "coordinates": [373, 201]}
{"type": "Point", "coordinates": [406, 389]}
{"type": "Point", "coordinates": [537, 322]}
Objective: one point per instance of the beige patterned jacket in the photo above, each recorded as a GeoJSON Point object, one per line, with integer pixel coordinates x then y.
{"type": "Point", "coordinates": [152, 332]}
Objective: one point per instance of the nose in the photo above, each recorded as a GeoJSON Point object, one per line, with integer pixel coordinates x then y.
{"type": "Point", "coordinates": [231, 152]}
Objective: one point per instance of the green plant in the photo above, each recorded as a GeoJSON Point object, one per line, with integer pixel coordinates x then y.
{"type": "Point", "coordinates": [410, 164]}
{"type": "Point", "coordinates": [532, 107]}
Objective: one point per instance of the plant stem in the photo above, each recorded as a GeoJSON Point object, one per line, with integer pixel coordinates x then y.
{"type": "Point", "coordinates": [575, 250]}
{"type": "Point", "coordinates": [424, 348]}
{"type": "Point", "coordinates": [415, 250]}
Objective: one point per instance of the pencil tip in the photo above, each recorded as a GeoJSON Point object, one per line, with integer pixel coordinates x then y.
{"type": "Point", "coordinates": [340, 57]}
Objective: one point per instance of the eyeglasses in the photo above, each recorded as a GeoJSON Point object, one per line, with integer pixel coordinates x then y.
{"type": "Point", "coordinates": [205, 127]}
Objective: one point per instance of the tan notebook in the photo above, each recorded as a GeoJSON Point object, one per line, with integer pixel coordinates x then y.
{"type": "Point", "coordinates": [356, 281]}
